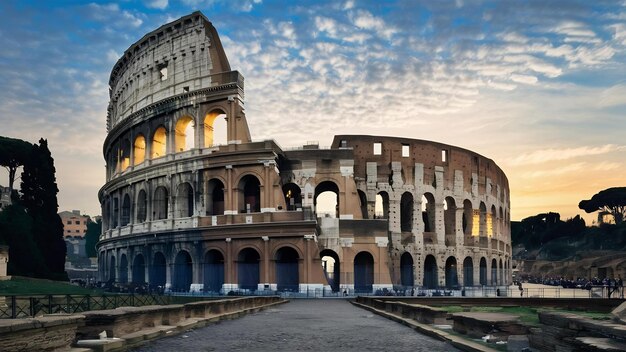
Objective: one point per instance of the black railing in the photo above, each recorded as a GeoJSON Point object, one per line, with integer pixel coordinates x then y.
{"type": "Point", "coordinates": [12, 307]}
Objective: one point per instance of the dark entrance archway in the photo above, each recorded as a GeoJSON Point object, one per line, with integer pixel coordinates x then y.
{"type": "Point", "coordinates": [494, 272]}
{"type": "Point", "coordinates": [406, 270]}
{"type": "Point", "coordinates": [183, 272]}
{"type": "Point", "coordinates": [123, 269]}
{"type": "Point", "coordinates": [452, 278]}
{"type": "Point", "coordinates": [468, 272]}
{"type": "Point", "coordinates": [330, 265]}
{"type": "Point", "coordinates": [213, 271]}
{"type": "Point", "coordinates": [363, 272]}
{"type": "Point", "coordinates": [287, 274]}
{"type": "Point", "coordinates": [293, 196]}
{"type": "Point", "coordinates": [112, 268]}
{"type": "Point", "coordinates": [483, 271]}
{"type": "Point", "coordinates": [430, 272]}
{"type": "Point", "coordinates": [158, 274]}
{"type": "Point", "coordinates": [215, 197]}
{"type": "Point", "coordinates": [139, 270]}
{"type": "Point", "coordinates": [248, 269]}
{"type": "Point", "coordinates": [250, 194]}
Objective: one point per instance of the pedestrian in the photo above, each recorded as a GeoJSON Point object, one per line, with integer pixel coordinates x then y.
{"type": "Point", "coordinates": [413, 292]}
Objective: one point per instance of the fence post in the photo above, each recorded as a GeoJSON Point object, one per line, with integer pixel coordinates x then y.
{"type": "Point", "coordinates": [13, 307]}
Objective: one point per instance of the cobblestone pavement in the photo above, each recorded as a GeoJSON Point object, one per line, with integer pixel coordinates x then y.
{"type": "Point", "coordinates": [303, 325]}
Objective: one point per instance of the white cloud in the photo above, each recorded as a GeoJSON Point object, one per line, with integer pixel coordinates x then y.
{"type": "Point", "coordinates": [365, 20]}
{"type": "Point", "coordinates": [553, 154]}
{"type": "Point", "coordinates": [157, 4]}
{"type": "Point", "coordinates": [613, 96]}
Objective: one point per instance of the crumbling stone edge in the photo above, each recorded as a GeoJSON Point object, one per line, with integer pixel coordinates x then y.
{"type": "Point", "coordinates": [456, 341]}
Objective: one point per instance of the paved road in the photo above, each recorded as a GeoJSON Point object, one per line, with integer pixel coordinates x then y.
{"type": "Point", "coordinates": [303, 325]}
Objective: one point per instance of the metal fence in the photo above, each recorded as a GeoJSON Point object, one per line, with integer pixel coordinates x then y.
{"type": "Point", "coordinates": [12, 307]}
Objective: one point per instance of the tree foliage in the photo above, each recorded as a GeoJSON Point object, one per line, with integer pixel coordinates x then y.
{"type": "Point", "coordinates": [610, 200]}
{"type": "Point", "coordinates": [535, 231]}
{"type": "Point", "coordinates": [13, 154]}
{"type": "Point", "coordinates": [31, 227]}
{"type": "Point", "coordinates": [91, 237]}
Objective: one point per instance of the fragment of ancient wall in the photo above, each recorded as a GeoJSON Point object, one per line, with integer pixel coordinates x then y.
{"type": "Point", "coordinates": [174, 59]}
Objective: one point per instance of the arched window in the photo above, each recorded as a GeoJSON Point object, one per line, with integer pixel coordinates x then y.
{"type": "Point", "coordinates": [159, 143]}
{"type": "Point", "coordinates": [249, 194]}
{"type": "Point", "coordinates": [452, 279]}
{"type": "Point", "coordinates": [215, 131]}
{"type": "Point", "coordinates": [124, 157]}
{"type": "Point", "coordinates": [123, 269]}
{"type": "Point", "coordinates": [213, 271]}
{"type": "Point", "coordinates": [449, 219]}
{"type": "Point", "coordinates": [125, 210]}
{"type": "Point", "coordinates": [326, 200]}
{"type": "Point", "coordinates": [142, 206]}
{"type": "Point", "coordinates": [363, 202]}
{"type": "Point", "coordinates": [406, 270]}
{"type": "Point", "coordinates": [406, 212]}
{"type": "Point", "coordinates": [183, 272]}
{"type": "Point", "coordinates": [139, 151]}
{"type": "Point", "coordinates": [184, 200]}
{"type": "Point", "coordinates": [363, 272]}
{"type": "Point", "coordinates": [468, 221]}
{"type": "Point", "coordinates": [248, 269]}
{"type": "Point", "coordinates": [428, 212]}
{"type": "Point", "coordinates": [483, 271]}
{"type": "Point", "coordinates": [293, 198]}
{"type": "Point", "coordinates": [381, 207]}
{"type": "Point", "coordinates": [468, 272]}
{"type": "Point", "coordinates": [160, 203]}
{"type": "Point", "coordinates": [430, 272]}
{"type": "Point", "coordinates": [215, 197]}
{"type": "Point", "coordinates": [139, 269]}
{"type": "Point", "coordinates": [184, 137]}
{"type": "Point", "coordinates": [330, 265]}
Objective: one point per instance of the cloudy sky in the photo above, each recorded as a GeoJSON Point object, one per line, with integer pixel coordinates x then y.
{"type": "Point", "coordinates": [538, 86]}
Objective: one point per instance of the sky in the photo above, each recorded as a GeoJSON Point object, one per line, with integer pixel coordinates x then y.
{"type": "Point", "coordinates": [537, 86]}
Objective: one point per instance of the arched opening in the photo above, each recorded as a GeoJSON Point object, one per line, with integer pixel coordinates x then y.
{"type": "Point", "coordinates": [213, 271]}
{"type": "Point", "coordinates": [159, 143]}
{"type": "Point", "coordinates": [123, 269]}
{"type": "Point", "coordinates": [381, 207]}
{"type": "Point", "coordinates": [183, 272]}
{"type": "Point", "coordinates": [494, 272]}
{"type": "Point", "coordinates": [428, 212]}
{"type": "Point", "coordinates": [287, 275]}
{"type": "Point", "coordinates": [330, 265]}
{"type": "Point", "coordinates": [124, 161]}
{"type": "Point", "coordinates": [406, 270]}
{"type": "Point", "coordinates": [159, 209]}
{"type": "Point", "coordinates": [449, 220]}
{"type": "Point", "coordinates": [139, 152]}
{"type": "Point", "coordinates": [483, 220]}
{"type": "Point", "coordinates": [326, 201]}
{"type": "Point", "coordinates": [215, 131]}
{"type": "Point", "coordinates": [158, 274]}
{"type": "Point", "coordinates": [112, 269]}
{"type": "Point", "coordinates": [249, 194]}
{"type": "Point", "coordinates": [492, 222]}
{"type": "Point", "coordinates": [500, 222]}
{"type": "Point", "coordinates": [293, 196]}
{"type": "Point", "coordinates": [248, 269]}
{"type": "Point", "coordinates": [184, 200]}
{"type": "Point", "coordinates": [184, 134]}
{"type": "Point", "coordinates": [106, 221]}
{"type": "Point", "coordinates": [116, 212]}
{"type": "Point", "coordinates": [215, 197]}
{"type": "Point", "coordinates": [501, 273]}
{"type": "Point", "coordinates": [483, 271]}
{"type": "Point", "coordinates": [468, 272]}
{"type": "Point", "coordinates": [430, 272]}
{"type": "Point", "coordinates": [139, 270]}
{"type": "Point", "coordinates": [468, 221]}
{"type": "Point", "coordinates": [452, 277]}
{"type": "Point", "coordinates": [406, 212]}
{"type": "Point", "coordinates": [363, 272]}
{"type": "Point", "coordinates": [125, 210]}
{"type": "Point", "coordinates": [142, 206]}
{"type": "Point", "coordinates": [363, 203]}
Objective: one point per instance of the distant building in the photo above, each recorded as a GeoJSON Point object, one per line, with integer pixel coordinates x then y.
{"type": "Point", "coordinates": [5, 197]}
{"type": "Point", "coordinates": [74, 224]}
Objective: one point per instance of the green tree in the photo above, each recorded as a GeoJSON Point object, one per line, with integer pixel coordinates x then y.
{"type": "Point", "coordinates": [94, 229]}
{"type": "Point", "coordinates": [16, 231]}
{"type": "Point", "coordinates": [610, 200]}
{"type": "Point", "coordinates": [13, 154]}
{"type": "Point", "coordinates": [39, 196]}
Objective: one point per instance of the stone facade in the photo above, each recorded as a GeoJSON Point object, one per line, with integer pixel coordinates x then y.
{"type": "Point", "coordinates": [182, 211]}
{"type": "Point", "coordinates": [74, 224]}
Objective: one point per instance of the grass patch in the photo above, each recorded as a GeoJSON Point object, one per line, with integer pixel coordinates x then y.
{"type": "Point", "coordinates": [23, 286]}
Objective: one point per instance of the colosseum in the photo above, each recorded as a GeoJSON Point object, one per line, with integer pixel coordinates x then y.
{"type": "Point", "coordinates": [192, 204]}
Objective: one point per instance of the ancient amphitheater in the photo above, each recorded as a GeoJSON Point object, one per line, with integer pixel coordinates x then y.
{"type": "Point", "coordinates": [192, 204]}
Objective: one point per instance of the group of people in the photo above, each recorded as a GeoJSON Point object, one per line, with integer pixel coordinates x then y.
{"type": "Point", "coordinates": [614, 286]}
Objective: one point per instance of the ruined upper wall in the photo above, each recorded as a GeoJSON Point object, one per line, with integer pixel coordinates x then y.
{"type": "Point", "coordinates": [177, 58]}
{"type": "Point", "coordinates": [430, 154]}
